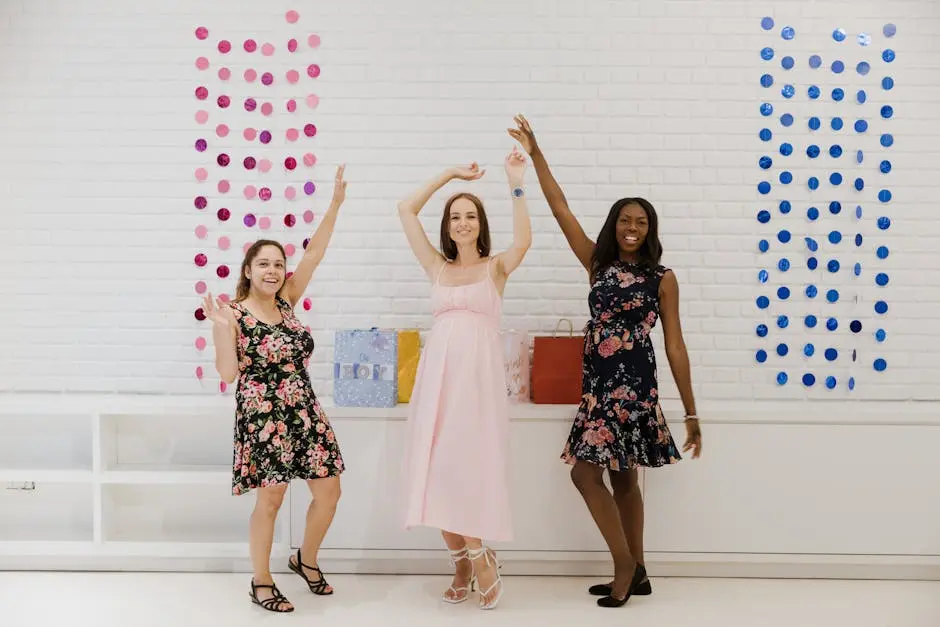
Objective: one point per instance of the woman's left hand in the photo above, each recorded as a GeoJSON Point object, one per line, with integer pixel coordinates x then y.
{"type": "Point", "coordinates": [515, 165]}
{"type": "Point", "coordinates": [693, 441]}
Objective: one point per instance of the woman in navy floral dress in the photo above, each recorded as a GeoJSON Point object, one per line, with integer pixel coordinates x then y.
{"type": "Point", "coordinates": [619, 424]}
{"type": "Point", "coordinates": [281, 431]}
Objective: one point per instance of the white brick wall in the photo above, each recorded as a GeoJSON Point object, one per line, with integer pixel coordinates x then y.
{"type": "Point", "coordinates": [658, 99]}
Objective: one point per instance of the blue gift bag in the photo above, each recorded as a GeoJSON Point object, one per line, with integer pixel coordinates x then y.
{"type": "Point", "coordinates": [365, 368]}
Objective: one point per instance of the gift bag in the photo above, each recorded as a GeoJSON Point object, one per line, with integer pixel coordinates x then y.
{"type": "Point", "coordinates": [516, 359]}
{"type": "Point", "coordinates": [556, 367]}
{"type": "Point", "coordinates": [409, 353]}
{"type": "Point", "coordinates": [365, 368]}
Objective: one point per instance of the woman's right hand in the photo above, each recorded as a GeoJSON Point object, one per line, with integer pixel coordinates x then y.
{"type": "Point", "coordinates": [524, 134]}
{"type": "Point", "coordinates": [471, 172]}
{"type": "Point", "coordinates": [217, 311]}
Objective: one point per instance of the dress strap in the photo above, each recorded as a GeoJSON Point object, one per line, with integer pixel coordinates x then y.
{"type": "Point", "coordinates": [489, 274]}
{"type": "Point", "coordinates": [437, 279]}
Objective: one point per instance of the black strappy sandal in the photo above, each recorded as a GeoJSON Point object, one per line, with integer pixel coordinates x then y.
{"type": "Point", "coordinates": [275, 603]}
{"type": "Point", "coordinates": [317, 587]}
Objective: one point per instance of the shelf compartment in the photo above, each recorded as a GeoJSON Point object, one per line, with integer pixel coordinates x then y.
{"type": "Point", "coordinates": [48, 512]}
{"type": "Point", "coordinates": [195, 513]}
{"type": "Point", "coordinates": [50, 442]}
{"type": "Point", "coordinates": [166, 442]}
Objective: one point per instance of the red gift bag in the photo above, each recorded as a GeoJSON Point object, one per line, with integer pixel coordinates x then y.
{"type": "Point", "coordinates": [556, 367]}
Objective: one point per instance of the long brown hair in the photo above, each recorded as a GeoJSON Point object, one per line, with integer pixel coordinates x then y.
{"type": "Point", "coordinates": [244, 284]}
{"type": "Point", "coordinates": [448, 246]}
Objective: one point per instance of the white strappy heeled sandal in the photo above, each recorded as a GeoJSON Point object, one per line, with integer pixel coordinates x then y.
{"type": "Point", "coordinates": [456, 556]}
{"type": "Point", "coordinates": [485, 552]}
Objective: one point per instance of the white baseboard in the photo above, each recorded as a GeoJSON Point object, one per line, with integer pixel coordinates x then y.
{"type": "Point", "coordinates": [516, 563]}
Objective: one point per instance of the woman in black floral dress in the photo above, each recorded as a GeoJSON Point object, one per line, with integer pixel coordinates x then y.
{"type": "Point", "coordinates": [619, 424]}
{"type": "Point", "coordinates": [281, 431]}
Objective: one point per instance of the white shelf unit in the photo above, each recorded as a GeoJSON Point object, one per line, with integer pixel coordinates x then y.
{"type": "Point", "coordinates": [103, 478]}
{"type": "Point", "coordinates": [144, 482]}
{"type": "Point", "coordinates": [124, 482]}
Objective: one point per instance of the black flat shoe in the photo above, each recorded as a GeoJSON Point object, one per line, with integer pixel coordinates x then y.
{"type": "Point", "coordinates": [639, 574]}
{"type": "Point", "coordinates": [604, 589]}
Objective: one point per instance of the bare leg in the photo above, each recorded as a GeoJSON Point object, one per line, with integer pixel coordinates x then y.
{"type": "Point", "coordinates": [460, 587]}
{"type": "Point", "coordinates": [485, 570]}
{"type": "Point", "coordinates": [589, 479]}
{"type": "Point", "coordinates": [325, 493]}
{"type": "Point", "coordinates": [261, 536]}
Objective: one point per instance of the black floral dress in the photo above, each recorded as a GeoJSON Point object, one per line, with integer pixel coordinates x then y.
{"type": "Point", "coordinates": [619, 424]}
{"type": "Point", "coordinates": [281, 431]}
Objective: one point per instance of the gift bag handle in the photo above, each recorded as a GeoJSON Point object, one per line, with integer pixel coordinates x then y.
{"type": "Point", "coordinates": [570, 327]}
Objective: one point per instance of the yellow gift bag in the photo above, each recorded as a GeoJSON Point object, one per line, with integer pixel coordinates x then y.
{"type": "Point", "coordinates": [409, 352]}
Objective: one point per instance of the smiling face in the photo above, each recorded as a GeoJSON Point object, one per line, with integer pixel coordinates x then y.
{"type": "Point", "coordinates": [632, 227]}
{"type": "Point", "coordinates": [464, 223]}
{"type": "Point", "coordinates": [267, 271]}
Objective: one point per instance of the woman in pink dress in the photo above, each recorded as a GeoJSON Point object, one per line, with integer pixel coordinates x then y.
{"type": "Point", "coordinates": [458, 423]}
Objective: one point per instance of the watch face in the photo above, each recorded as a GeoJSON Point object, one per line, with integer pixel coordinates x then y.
{"type": "Point", "coordinates": [517, 192]}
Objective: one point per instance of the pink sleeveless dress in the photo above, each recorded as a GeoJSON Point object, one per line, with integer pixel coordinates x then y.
{"type": "Point", "coordinates": [456, 451]}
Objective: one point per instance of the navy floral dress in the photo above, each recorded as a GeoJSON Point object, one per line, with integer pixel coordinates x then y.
{"type": "Point", "coordinates": [281, 431]}
{"type": "Point", "coordinates": [619, 424]}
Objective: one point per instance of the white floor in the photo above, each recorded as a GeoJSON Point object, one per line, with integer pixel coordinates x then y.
{"type": "Point", "coordinates": [32, 599]}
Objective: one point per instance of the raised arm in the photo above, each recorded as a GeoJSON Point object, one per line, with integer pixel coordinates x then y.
{"type": "Point", "coordinates": [409, 208]}
{"type": "Point", "coordinates": [224, 336]}
{"type": "Point", "coordinates": [509, 260]}
{"type": "Point", "coordinates": [580, 243]}
{"type": "Point", "coordinates": [296, 285]}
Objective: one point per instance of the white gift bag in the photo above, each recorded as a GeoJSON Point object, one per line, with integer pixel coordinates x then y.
{"type": "Point", "coordinates": [516, 357]}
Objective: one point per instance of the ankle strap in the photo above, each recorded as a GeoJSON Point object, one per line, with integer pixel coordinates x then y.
{"type": "Point", "coordinates": [477, 553]}
{"type": "Point", "coordinates": [458, 554]}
